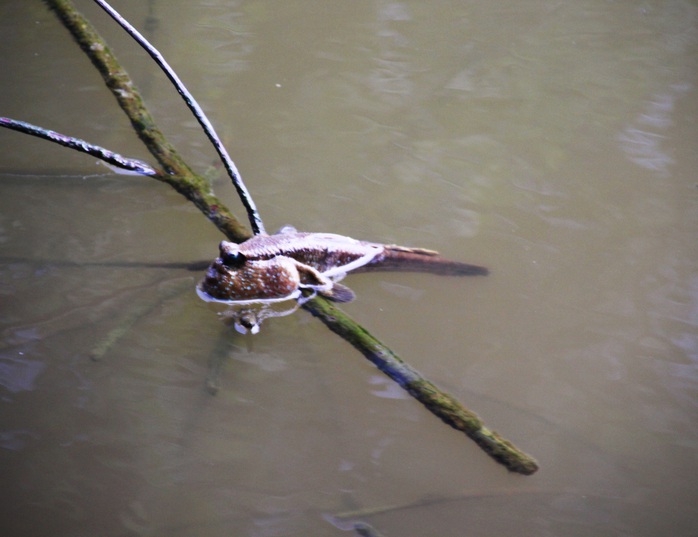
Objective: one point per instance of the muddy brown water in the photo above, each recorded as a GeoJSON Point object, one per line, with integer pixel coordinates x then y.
{"type": "Point", "coordinates": [554, 142]}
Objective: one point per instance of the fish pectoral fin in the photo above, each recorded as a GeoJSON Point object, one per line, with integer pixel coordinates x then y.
{"type": "Point", "coordinates": [312, 278]}
{"type": "Point", "coordinates": [339, 293]}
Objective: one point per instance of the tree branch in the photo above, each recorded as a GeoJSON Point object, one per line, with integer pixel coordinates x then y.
{"type": "Point", "coordinates": [180, 177]}
{"type": "Point", "coordinates": [233, 173]}
{"type": "Point", "coordinates": [439, 403]}
{"type": "Point", "coordinates": [176, 172]}
{"type": "Point", "coordinates": [80, 145]}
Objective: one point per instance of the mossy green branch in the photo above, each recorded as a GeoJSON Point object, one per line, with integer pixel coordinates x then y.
{"type": "Point", "coordinates": [439, 403]}
{"type": "Point", "coordinates": [175, 171]}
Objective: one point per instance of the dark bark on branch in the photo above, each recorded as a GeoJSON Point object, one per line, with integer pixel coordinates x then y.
{"type": "Point", "coordinates": [196, 189]}
{"type": "Point", "coordinates": [80, 145]}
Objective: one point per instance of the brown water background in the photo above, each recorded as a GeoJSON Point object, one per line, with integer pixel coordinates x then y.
{"type": "Point", "coordinates": [553, 141]}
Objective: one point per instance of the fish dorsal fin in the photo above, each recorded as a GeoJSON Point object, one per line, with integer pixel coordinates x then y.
{"type": "Point", "coordinates": [286, 230]}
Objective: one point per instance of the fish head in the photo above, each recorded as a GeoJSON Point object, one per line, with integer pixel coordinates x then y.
{"type": "Point", "coordinates": [230, 254]}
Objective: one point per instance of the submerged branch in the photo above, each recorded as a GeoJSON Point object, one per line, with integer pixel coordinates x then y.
{"type": "Point", "coordinates": [135, 314]}
{"type": "Point", "coordinates": [196, 189]}
{"type": "Point", "coordinates": [79, 145]}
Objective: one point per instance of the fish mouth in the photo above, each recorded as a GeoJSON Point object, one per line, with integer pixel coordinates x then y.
{"type": "Point", "coordinates": [203, 295]}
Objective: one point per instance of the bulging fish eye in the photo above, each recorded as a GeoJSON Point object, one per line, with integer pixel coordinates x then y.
{"type": "Point", "coordinates": [230, 254]}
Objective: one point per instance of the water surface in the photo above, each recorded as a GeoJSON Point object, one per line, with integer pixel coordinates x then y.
{"type": "Point", "coordinates": [554, 142]}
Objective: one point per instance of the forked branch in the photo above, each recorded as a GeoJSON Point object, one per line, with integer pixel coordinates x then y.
{"type": "Point", "coordinates": [175, 171]}
{"type": "Point", "coordinates": [245, 197]}
{"type": "Point", "coordinates": [179, 176]}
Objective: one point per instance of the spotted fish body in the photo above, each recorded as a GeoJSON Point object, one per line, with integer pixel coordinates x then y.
{"type": "Point", "coordinates": [278, 267]}
{"type": "Point", "coordinates": [269, 279]}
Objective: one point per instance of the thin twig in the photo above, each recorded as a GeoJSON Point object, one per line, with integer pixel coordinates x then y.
{"type": "Point", "coordinates": [429, 501]}
{"type": "Point", "coordinates": [245, 197]}
{"type": "Point", "coordinates": [79, 145]}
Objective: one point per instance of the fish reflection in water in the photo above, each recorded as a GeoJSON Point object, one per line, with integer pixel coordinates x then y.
{"type": "Point", "coordinates": [247, 318]}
